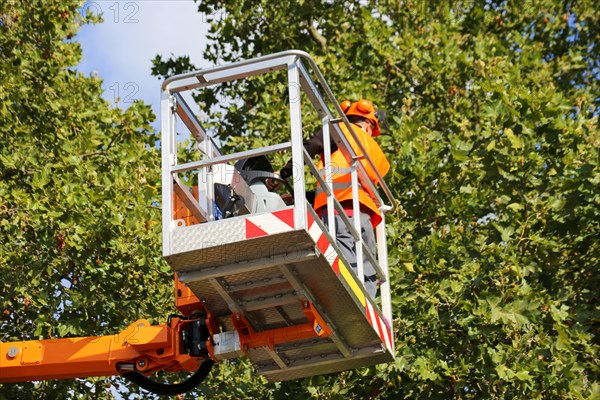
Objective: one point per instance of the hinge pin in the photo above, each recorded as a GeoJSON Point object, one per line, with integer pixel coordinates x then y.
{"type": "Point", "coordinates": [12, 352]}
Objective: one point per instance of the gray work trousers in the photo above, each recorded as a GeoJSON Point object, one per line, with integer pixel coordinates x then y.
{"type": "Point", "coordinates": [345, 242]}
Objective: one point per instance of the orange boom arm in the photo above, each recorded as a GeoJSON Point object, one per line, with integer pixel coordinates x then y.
{"type": "Point", "coordinates": [140, 348]}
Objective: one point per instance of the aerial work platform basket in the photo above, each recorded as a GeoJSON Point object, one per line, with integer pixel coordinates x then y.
{"type": "Point", "coordinates": [270, 275]}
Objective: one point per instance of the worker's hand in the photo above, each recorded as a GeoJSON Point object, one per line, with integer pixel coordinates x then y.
{"type": "Point", "coordinates": [288, 199]}
{"type": "Point", "coordinates": [273, 184]}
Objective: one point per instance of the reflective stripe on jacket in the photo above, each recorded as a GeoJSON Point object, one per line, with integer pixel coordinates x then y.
{"type": "Point", "coordinates": [340, 172]}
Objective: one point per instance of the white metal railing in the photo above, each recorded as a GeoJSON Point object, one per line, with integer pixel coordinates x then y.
{"type": "Point", "coordinates": [299, 79]}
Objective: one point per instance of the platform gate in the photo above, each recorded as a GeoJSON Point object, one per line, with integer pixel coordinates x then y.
{"type": "Point", "coordinates": [266, 277]}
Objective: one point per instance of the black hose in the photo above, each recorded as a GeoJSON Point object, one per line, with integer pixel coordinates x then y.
{"type": "Point", "coordinates": [171, 389]}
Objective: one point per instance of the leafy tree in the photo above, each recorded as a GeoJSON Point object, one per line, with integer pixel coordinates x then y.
{"type": "Point", "coordinates": [494, 141]}
{"type": "Point", "coordinates": [79, 189]}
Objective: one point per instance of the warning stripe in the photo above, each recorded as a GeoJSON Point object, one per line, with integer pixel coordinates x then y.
{"type": "Point", "coordinates": [269, 224]}
{"type": "Point", "coordinates": [383, 333]}
{"type": "Point", "coordinates": [388, 336]}
{"type": "Point", "coordinates": [286, 216]}
{"type": "Point", "coordinates": [375, 320]}
{"type": "Point", "coordinates": [349, 278]}
{"type": "Point", "coordinates": [369, 313]}
{"type": "Point", "coordinates": [324, 246]}
{"type": "Point", "coordinates": [283, 221]}
{"type": "Point", "coordinates": [379, 325]}
{"type": "Point", "coordinates": [253, 231]}
{"type": "Point", "coordinates": [320, 238]}
{"type": "Point", "coordinates": [315, 232]}
{"type": "Point", "coordinates": [336, 266]}
{"type": "Point", "coordinates": [330, 254]}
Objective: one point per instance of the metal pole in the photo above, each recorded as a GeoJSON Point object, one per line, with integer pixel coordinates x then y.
{"type": "Point", "coordinates": [297, 147]}
{"type": "Point", "coordinates": [207, 177]}
{"type": "Point", "coordinates": [168, 160]}
{"type": "Point", "coordinates": [356, 217]}
{"type": "Point", "coordinates": [328, 177]}
{"type": "Point", "coordinates": [386, 296]}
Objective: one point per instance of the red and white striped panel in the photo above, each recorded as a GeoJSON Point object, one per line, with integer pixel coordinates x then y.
{"type": "Point", "coordinates": [380, 326]}
{"type": "Point", "coordinates": [323, 244]}
{"type": "Point", "coordinates": [270, 223]}
{"type": "Point", "coordinates": [283, 221]}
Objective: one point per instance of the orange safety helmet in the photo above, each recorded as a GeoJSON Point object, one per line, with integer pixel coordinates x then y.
{"type": "Point", "coordinates": [362, 108]}
{"type": "Point", "coordinates": [345, 105]}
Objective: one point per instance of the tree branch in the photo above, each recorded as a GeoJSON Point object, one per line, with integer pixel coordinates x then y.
{"type": "Point", "coordinates": [315, 35]}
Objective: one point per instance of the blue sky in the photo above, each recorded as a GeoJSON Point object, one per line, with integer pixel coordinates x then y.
{"type": "Point", "coordinates": [121, 48]}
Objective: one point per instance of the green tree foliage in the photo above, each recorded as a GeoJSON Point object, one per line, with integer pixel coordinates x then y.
{"type": "Point", "coordinates": [494, 144]}
{"type": "Point", "coordinates": [79, 189]}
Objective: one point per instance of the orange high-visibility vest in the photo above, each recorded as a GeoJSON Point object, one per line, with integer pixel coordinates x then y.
{"type": "Point", "coordinates": [340, 172]}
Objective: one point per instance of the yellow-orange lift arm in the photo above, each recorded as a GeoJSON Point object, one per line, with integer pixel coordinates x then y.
{"type": "Point", "coordinates": [141, 347]}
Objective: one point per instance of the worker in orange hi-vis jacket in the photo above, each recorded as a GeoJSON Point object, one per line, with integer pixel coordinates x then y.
{"type": "Point", "coordinates": [365, 121]}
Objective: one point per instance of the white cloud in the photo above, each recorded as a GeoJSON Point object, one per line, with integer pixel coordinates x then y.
{"type": "Point", "coordinates": [133, 32]}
